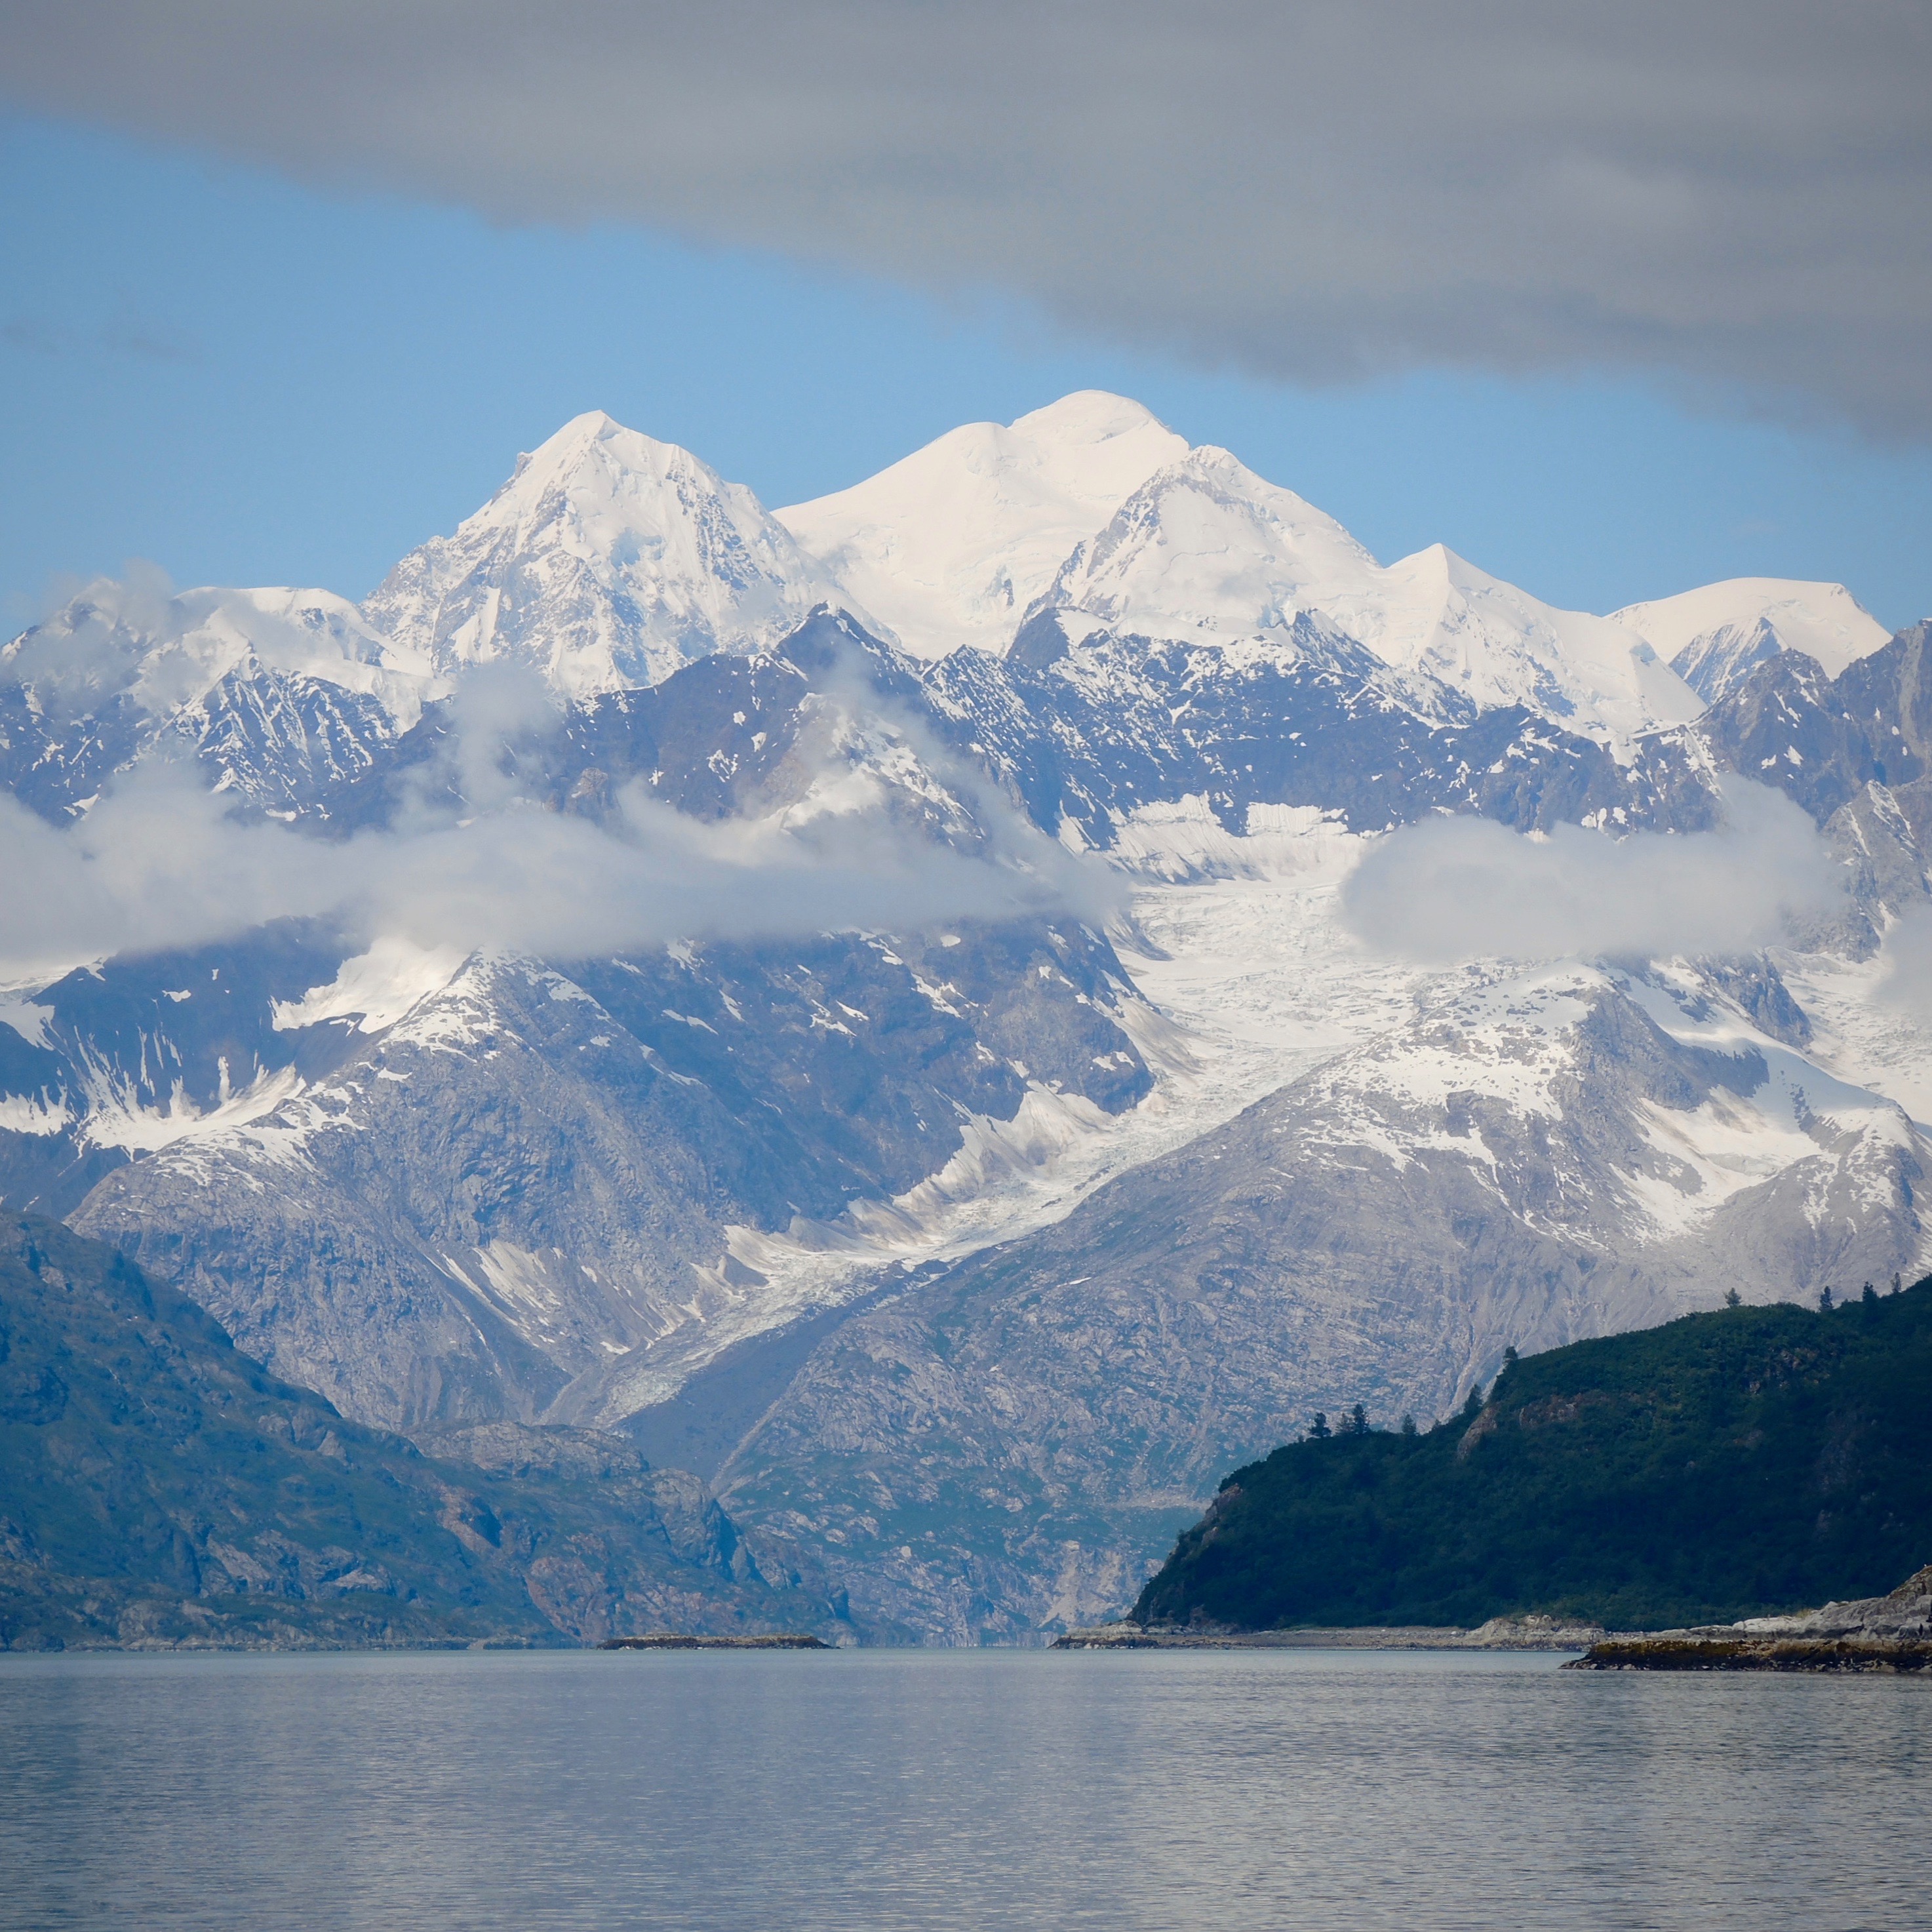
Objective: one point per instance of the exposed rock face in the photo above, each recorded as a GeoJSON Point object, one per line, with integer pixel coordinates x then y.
{"type": "Point", "coordinates": [497, 1200]}
{"type": "Point", "coordinates": [1307, 718]}
{"type": "Point", "coordinates": [1822, 740]}
{"type": "Point", "coordinates": [281, 698]}
{"type": "Point", "coordinates": [1536, 1160]}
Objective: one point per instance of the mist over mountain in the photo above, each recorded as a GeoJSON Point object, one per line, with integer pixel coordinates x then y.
{"type": "Point", "coordinates": [967, 1007]}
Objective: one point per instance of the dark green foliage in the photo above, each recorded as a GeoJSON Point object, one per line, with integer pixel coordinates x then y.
{"type": "Point", "coordinates": [1724, 1464]}
{"type": "Point", "coordinates": [157, 1487]}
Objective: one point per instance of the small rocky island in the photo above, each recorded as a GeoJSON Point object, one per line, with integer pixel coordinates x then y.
{"type": "Point", "coordinates": [681, 1640]}
{"type": "Point", "coordinates": [1887, 1633]}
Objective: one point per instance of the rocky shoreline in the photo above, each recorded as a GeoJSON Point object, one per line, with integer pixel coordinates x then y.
{"type": "Point", "coordinates": [1889, 1634]}
{"type": "Point", "coordinates": [1499, 1634]}
{"type": "Point", "coordinates": [1697, 1652]}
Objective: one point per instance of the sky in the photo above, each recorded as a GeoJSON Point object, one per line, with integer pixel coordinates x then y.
{"type": "Point", "coordinates": [284, 290]}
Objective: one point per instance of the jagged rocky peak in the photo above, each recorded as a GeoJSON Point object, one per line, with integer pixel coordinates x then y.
{"type": "Point", "coordinates": [951, 544]}
{"type": "Point", "coordinates": [607, 560]}
{"type": "Point", "coordinates": [1715, 636]}
{"type": "Point", "coordinates": [1206, 552]}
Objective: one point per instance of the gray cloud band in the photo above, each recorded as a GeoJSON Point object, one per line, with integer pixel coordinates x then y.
{"type": "Point", "coordinates": [1737, 193]}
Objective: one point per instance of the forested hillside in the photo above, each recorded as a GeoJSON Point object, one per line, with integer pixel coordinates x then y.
{"type": "Point", "coordinates": [1724, 1464]}
{"type": "Point", "coordinates": [157, 1488]}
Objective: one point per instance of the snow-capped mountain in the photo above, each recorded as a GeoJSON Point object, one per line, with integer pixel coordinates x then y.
{"type": "Point", "coordinates": [1206, 552]}
{"type": "Point", "coordinates": [281, 694]}
{"type": "Point", "coordinates": [606, 561]}
{"type": "Point", "coordinates": [1093, 511]}
{"type": "Point", "coordinates": [1713, 637]}
{"type": "Point", "coordinates": [967, 1251]}
{"type": "Point", "coordinates": [950, 545]}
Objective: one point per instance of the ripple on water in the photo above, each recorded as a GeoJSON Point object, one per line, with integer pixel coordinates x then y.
{"type": "Point", "coordinates": [886, 1790]}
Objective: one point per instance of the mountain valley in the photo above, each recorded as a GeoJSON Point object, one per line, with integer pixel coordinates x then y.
{"type": "Point", "coordinates": [870, 995]}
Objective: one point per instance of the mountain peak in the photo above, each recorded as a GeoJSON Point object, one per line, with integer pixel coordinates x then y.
{"type": "Point", "coordinates": [1088, 416]}
{"type": "Point", "coordinates": [606, 560]}
{"type": "Point", "coordinates": [594, 456]}
{"type": "Point", "coordinates": [950, 545]}
{"type": "Point", "coordinates": [1206, 552]}
{"type": "Point", "coordinates": [1713, 636]}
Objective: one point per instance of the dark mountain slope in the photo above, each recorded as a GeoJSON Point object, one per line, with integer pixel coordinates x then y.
{"type": "Point", "coordinates": [1092, 734]}
{"type": "Point", "coordinates": [1822, 740]}
{"type": "Point", "coordinates": [1720, 1466]}
{"type": "Point", "coordinates": [157, 1488]}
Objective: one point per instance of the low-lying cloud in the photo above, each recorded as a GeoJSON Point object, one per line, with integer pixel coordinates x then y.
{"type": "Point", "coordinates": [1734, 192]}
{"type": "Point", "coordinates": [1458, 889]}
{"type": "Point", "coordinates": [158, 864]}
{"type": "Point", "coordinates": [1905, 963]}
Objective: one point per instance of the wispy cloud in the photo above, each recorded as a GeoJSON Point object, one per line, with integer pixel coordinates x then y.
{"type": "Point", "coordinates": [125, 332]}
{"type": "Point", "coordinates": [160, 861]}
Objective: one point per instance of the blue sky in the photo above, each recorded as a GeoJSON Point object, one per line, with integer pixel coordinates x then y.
{"type": "Point", "coordinates": [245, 381]}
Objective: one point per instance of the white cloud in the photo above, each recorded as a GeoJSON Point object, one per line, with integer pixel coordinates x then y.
{"type": "Point", "coordinates": [1905, 964]}
{"type": "Point", "coordinates": [1455, 888]}
{"type": "Point", "coordinates": [157, 863]}
{"type": "Point", "coordinates": [1733, 192]}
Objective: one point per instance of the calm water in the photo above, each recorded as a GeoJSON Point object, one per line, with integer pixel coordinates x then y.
{"type": "Point", "coordinates": [884, 1790]}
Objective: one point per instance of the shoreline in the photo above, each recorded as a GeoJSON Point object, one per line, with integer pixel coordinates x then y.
{"type": "Point", "coordinates": [1513, 1634]}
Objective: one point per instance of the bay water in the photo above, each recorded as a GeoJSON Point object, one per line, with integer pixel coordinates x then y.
{"type": "Point", "coordinates": [896, 1791]}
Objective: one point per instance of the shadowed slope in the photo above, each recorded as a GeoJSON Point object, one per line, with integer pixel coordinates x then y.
{"type": "Point", "coordinates": [158, 1488]}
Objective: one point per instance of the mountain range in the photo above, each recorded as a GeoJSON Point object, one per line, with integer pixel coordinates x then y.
{"type": "Point", "coordinates": [866, 1002]}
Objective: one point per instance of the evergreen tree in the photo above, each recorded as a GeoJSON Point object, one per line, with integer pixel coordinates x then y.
{"type": "Point", "coordinates": [1408, 1424]}
{"type": "Point", "coordinates": [1824, 1300]}
{"type": "Point", "coordinates": [1732, 1299]}
{"type": "Point", "coordinates": [1319, 1430]}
